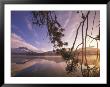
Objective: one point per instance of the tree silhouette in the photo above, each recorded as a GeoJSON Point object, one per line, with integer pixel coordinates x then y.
{"type": "Point", "coordinates": [85, 72]}
{"type": "Point", "coordinates": [55, 30]}
{"type": "Point", "coordinates": [55, 33]}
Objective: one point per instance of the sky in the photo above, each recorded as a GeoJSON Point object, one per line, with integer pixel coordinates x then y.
{"type": "Point", "coordinates": [24, 34]}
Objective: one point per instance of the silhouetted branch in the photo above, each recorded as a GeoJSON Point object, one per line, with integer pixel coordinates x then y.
{"type": "Point", "coordinates": [49, 19]}
{"type": "Point", "coordinates": [85, 42]}
{"type": "Point", "coordinates": [93, 22]}
{"type": "Point", "coordinates": [76, 36]}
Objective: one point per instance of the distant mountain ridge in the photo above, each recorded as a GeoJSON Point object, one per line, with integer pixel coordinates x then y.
{"type": "Point", "coordinates": [26, 51]}
{"type": "Point", "coordinates": [22, 50]}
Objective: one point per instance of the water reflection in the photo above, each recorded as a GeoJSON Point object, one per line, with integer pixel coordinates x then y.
{"type": "Point", "coordinates": [42, 67]}
{"type": "Point", "coordinates": [39, 67]}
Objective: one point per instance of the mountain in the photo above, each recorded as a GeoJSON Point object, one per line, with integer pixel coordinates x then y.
{"type": "Point", "coordinates": [26, 51]}
{"type": "Point", "coordinates": [49, 53]}
{"type": "Point", "coordinates": [22, 50]}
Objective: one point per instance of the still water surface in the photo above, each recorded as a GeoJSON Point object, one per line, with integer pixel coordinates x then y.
{"type": "Point", "coordinates": [40, 67]}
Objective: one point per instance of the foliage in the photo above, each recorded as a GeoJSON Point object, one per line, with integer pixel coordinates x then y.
{"type": "Point", "coordinates": [49, 19]}
{"type": "Point", "coordinates": [72, 64]}
{"type": "Point", "coordinates": [55, 33]}
{"type": "Point", "coordinates": [65, 53]}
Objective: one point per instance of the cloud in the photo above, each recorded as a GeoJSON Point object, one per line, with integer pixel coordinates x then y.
{"type": "Point", "coordinates": [30, 27]}
{"type": "Point", "coordinates": [36, 42]}
{"type": "Point", "coordinates": [68, 19]}
{"type": "Point", "coordinates": [17, 41]}
{"type": "Point", "coordinates": [14, 27]}
{"type": "Point", "coordinates": [73, 30]}
{"type": "Point", "coordinates": [71, 27]}
{"type": "Point", "coordinates": [43, 49]}
{"type": "Point", "coordinates": [29, 24]}
{"type": "Point", "coordinates": [17, 29]}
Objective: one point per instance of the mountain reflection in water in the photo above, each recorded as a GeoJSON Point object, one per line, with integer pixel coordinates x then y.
{"type": "Point", "coordinates": [37, 67]}
{"type": "Point", "coordinates": [42, 67]}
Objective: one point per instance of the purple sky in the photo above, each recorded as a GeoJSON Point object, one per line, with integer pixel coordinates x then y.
{"type": "Point", "coordinates": [23, 34]}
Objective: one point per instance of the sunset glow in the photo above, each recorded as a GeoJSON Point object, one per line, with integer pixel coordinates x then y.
{"type": "Point", "coordinates": [36, 39]}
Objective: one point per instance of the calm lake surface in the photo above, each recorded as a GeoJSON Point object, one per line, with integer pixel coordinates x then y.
{"type": "Point", "coordinates": [39, 66]}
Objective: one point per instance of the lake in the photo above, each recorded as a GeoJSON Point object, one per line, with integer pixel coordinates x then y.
{"type": "Point", "coordinates": [41, 66]}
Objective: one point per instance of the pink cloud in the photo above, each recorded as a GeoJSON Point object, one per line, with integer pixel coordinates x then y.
{"type": "Point", "coordinates": [67, 20]}
{"type": "Point", "coordinates": [17, 41]}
